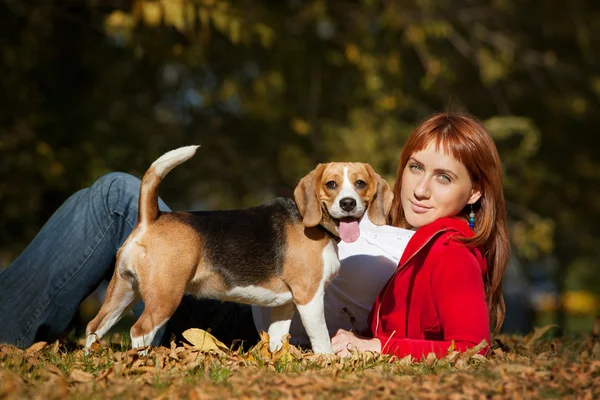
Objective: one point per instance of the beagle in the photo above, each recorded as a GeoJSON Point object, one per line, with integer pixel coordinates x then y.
{"type": "Point", "coordinates": [280, 254]}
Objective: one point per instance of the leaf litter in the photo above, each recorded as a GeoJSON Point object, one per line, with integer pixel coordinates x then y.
{"type": "Point", "coordinates": [204, 368]}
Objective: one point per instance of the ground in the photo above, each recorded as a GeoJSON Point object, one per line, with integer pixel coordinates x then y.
{"type": "Point", "coordinates": [517, 367]}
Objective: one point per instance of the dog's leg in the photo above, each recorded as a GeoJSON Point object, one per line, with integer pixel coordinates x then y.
{"type": "Point", "coordinates": [313, 319]}
{"type": "Point", "coordinates": [120, 297]}
{"type": "Point", "coordinates": [161, 300]}
{"type": "Point", "coordinates": [281, 319]}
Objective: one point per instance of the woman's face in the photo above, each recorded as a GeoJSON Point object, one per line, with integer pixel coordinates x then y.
{"type": "Point", "coordinates": [435, 185]}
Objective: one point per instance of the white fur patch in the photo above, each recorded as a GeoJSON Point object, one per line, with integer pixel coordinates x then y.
{"type": "Point", "coordinates": [313, 319]}
{"type": "Point", "coordinates": [281, 319]}
{"type": "Point", "coordinates": [173, 158]}
{"type": "Point", "coordinates": [331, 263]}
{"type": "Point", "coordinates": [347, 191]}
{"type": "Point", "coordinates": [313, 313]}
{"type": "Point", "coordinates": [257, 295]}
{"type": "Point", "coordinates": [146, 340]}
{"type": "Point", "coordinates": [110, 319]}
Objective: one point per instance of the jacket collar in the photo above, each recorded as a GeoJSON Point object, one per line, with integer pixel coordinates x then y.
{"type": "Point", "coordinates": [425, 233]}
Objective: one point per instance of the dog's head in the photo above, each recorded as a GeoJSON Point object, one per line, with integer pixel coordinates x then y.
{"type": "Point", "coordinates": [337, 195]}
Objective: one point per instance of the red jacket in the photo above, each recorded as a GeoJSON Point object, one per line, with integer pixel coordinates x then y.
{"type": "Point", "coordinates": [435, 296]}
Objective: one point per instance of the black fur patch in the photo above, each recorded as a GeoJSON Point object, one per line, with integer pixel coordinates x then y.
{"type": "Point", "coordinates": [245, 246]}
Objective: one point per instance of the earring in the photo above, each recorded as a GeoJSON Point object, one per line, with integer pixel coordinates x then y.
{"type": "Point", "coordinates": [472, 218]}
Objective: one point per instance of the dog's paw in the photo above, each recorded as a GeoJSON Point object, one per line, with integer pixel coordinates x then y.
{"type": "Point", "coordinates": [90, 340]}
{"type": "Point", "coordinates": [323, 349]}
{"type": "Point", "coordinates": [275, 345]}
{"type": "Point", "coordinates": [144, 352]}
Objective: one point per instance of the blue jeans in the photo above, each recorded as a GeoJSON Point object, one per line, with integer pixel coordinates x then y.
{"type": "Point", "coordinates": [40, 292]}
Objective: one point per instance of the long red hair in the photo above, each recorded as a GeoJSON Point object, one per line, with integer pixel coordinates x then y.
{"type": "Point", "coordinates": [465, 139]}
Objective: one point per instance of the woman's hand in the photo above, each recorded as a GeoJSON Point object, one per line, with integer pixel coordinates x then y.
{"type": "Point", "coordinates": [344, 342]}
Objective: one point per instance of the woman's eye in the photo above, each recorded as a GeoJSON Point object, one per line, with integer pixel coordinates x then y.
{"type": "Point", "coordinates": [414, 167]}
{"type": "Point", "coordinates": [331, 185]}
{"type": "Point", "coordinates": [444, 178]}
{"type": "Point", "coordinates": [360, 184]}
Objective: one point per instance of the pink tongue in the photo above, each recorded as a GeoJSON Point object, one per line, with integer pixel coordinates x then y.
{"type": "Point", "coordinates": [349, 231]}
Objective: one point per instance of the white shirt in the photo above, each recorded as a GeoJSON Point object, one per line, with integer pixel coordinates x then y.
{"type": "Point", "coordinates": [366, 265]}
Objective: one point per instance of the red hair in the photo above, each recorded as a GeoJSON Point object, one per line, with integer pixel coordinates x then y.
{"type": "Point", "coordinates": [465, 139]}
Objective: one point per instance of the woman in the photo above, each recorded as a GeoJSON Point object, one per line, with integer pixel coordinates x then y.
{"type": "Point", "coordinates": [448, 284]}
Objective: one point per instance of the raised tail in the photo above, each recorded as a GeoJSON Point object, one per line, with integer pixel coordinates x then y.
{"type": "Point", "coordinates": [148, 203]}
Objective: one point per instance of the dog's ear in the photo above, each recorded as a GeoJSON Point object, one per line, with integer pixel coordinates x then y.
{"type": "Point", "coordinates": [306, 198]}
{"type": "Point", "coordinates": [381, 203]}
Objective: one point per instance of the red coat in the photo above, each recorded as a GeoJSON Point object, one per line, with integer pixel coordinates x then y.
{"type": "Point", "coordinates": [435, 296]}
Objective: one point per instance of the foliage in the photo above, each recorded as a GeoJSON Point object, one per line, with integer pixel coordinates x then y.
{"type": "Point", "coordinates": [517, 367]}
{"type": "Point", "coordinates": [271, 88]}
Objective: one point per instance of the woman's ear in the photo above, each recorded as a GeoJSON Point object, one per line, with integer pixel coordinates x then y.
{"type": "Point", "coordinates": [307, 199]}
{"type": "Point", "coordinates": [381, 203]}
{"type": "Point", "coordinates": [475, 194]}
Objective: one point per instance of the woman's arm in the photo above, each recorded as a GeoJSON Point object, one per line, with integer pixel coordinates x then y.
{"type": "Point", "coordinates": [459, 296]}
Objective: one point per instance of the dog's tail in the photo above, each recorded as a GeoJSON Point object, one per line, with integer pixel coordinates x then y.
{"type": "Point", "coordinates": [148, 203]}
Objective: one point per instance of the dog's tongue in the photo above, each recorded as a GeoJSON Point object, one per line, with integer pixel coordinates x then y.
{"type": "Point", "coordinates": [349, 231]}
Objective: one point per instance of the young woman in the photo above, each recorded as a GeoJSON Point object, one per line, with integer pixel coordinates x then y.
{"type": "Point", "coordinates": [448, 284]}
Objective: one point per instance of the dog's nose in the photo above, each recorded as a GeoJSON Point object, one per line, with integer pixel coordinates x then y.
{"type": "Point", "coordinates": [348, 204]}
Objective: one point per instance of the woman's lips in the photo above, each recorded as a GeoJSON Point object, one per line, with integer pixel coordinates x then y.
{"type": "Point", "coordinates": [419, 208]}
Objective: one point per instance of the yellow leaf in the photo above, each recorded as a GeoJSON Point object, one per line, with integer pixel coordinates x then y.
{"type": "Point", "coordinates": [119, 23]}
{"type": "Point", "coordinates": [151, 13]}
{"type": "Point", "coordinates": [284, 350]}
{"type": "Point", "coordinates": [536, 334]}
{"type": "Point", "coordinates": [174, 14]}
{"type": "Point", "coordinates": [263, 346]}
{"type": "Point", "coordinates": [452, 346]}
{"type": "Point", "coordinates": [204, 341]}
{"type": "Point", "coordinates": [300, 126]}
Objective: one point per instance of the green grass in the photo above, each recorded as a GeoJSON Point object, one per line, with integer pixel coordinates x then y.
{"type": "Point", "coordinates": [547, 368]}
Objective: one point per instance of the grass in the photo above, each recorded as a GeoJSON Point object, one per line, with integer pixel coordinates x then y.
{"type": "Point", "coordinates": [519, 366]}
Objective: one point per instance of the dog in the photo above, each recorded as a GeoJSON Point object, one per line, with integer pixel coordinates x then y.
{"type": "Point", "coordinates": [280, 254]}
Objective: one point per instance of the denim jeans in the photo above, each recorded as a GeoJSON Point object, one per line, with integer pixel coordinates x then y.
{"type": "Point", "coordinates": [40, 292]}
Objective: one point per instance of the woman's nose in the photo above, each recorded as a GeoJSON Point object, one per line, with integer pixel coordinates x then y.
{"type": "Point", "coordinates": [422, 188]}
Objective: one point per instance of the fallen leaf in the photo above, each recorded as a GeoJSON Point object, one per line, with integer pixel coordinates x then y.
{"type": "Point", "coordinates": [105, 374]}
{"type": "Point", "coordinates": [430, 360]}
{"type": "Point", "coordinates": [80, 376]}
{"type": "Point", "coordinates": [204, 341]}
{"type": "Point", "coordinates": [34, 348]}
{"type": "Point", "coordinates": [53, 369]}
{"type": "Point", "coordinates": [596, 350]}
{"type": "Point", "coordinates": [480, 358]}
{"type": "Point", "coordinates": [536, 334]}
{"type": "Point", "coordinates": [284, 350]}
{"type": "Point", "coordinates": [143, 370]}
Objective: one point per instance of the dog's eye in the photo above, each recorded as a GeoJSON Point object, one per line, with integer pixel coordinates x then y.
{"type": "Point", "coordinates": [360, 184]}
{"type": "Point", "coordinates": [331, 185]}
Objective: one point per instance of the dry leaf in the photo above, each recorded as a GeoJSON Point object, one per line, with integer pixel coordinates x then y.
{"type": "Point", "coordinates": [536, 334]}
{"type": "Point", "coordinates": [204, 341]}
{"type": "Point", "coordinates": [53, 369]}
{"type": "Point", "coordinates": [34, 348]}
{"type": "Point", "coordinates": [430, 360]}
{"type": "Point", "coordinates": [480, 358]}
{"type": "Point", "coordinates": [596, 349]}
{"type": "Point", "coordinates": [80, 376]}
{"type": "Point", "coordinates": [284, 350]}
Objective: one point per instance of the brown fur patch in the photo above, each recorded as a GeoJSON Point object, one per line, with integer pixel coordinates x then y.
{"type": "Point", "coordinates": [303, 265]}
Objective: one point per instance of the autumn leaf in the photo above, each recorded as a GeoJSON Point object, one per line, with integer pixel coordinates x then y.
{"type": "Point", "coordinates": [536, 334]}
{"type": "Point", "coordinates": [204, 341]}
{"type": "Point", "coordinates": [79, 376]}
{"type": "Point", "coordinates": [34, 348]}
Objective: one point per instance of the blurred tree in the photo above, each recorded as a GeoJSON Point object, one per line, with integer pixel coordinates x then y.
{"type": "Point", "coordinates": [271, 88]}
